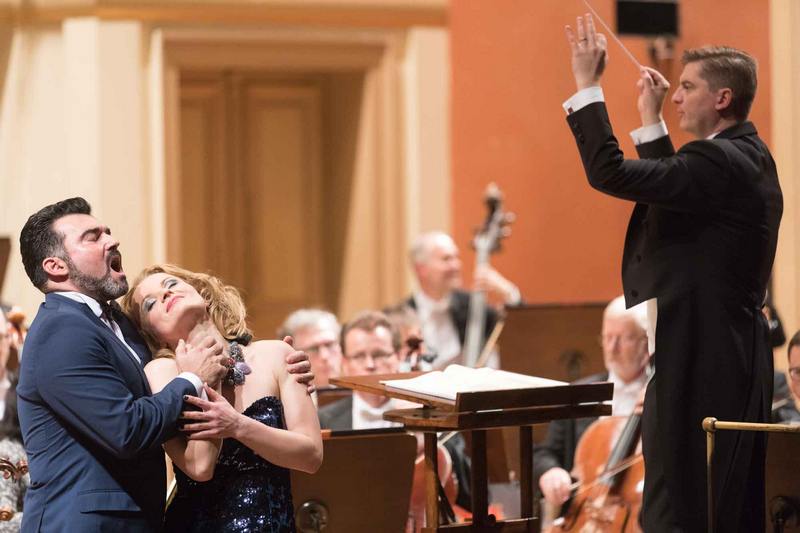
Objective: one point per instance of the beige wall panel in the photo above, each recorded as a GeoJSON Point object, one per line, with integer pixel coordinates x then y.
{"type": "Point", "coordinates": [785, 41]}
{"type": "Point", "coordinates": [32, 145]}
{"type": "Point", "coordinates": [361, 273]}
{"type": "Point", "coordinates": [342, 119]}
{"type": "Point", "coordinates": [426, 80]}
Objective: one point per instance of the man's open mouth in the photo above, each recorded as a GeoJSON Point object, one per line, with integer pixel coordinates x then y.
{"type": "Point", "coordinates": [115, 262]}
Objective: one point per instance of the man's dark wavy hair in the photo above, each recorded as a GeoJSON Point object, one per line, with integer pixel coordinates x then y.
{"type": "Point", "coordinates": [38, 240]}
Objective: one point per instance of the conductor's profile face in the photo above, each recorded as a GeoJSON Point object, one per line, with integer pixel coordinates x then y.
{"type": "Point", "coordinates": [698, 106]}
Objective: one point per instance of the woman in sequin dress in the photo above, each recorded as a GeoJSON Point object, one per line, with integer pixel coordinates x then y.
{"type": "Point", "coordinates": [233, 475]}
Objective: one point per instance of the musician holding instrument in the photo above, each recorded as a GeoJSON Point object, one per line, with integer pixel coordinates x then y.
{"type": "Point", "coordinates": [699, 250]}
{"type": "Point", "coordinates": [440, 302]}
{"type": "Point", "coordinates": [623, 339]}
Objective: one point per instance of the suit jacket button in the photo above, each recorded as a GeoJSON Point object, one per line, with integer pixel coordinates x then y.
{"type": "Point", "coordinates": [635, 294]}
{"type": "Point", "coordinates": [581, 138]}
{"type": "Point", "coordinates": [638, 258]}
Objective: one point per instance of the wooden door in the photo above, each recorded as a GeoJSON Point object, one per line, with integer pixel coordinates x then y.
{"type": "Point", "coordinates": [247, 199]}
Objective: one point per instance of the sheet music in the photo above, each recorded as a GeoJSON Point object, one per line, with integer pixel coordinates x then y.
{"type": "Point", "coordinates": [457, 378]}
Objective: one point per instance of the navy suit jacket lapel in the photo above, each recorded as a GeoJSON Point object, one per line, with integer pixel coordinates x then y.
{"type": "Point", "coordinates": [107, 331]}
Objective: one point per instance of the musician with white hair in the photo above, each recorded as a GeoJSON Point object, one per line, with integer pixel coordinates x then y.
{"type": "Point", "coordinates": [441, 303]}
{"type": "Point", "coordinates": [623, 339]}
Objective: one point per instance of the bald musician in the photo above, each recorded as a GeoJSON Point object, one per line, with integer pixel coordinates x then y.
{"type": "Point", "coordinates": [699, 250]}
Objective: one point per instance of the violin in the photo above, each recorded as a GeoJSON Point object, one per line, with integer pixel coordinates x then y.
{"type": "Point", "coordinates": [608, 493]}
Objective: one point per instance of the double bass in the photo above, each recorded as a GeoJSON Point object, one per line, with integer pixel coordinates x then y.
{"type": "Point", "coordinates": [486, 242]}
{"type": "Point", "coordinates": [608, 493]}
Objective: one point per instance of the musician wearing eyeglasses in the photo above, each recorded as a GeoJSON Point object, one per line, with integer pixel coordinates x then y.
{"type": "Point", "coordinates": [370, 345]}
{"type": "Point", "coordinates": [623, 339]}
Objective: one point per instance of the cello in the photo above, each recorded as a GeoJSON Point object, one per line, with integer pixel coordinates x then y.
{"type": "Point", "coordinates": [608, 493]}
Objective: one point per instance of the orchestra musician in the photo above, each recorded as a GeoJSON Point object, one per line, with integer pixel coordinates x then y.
{"type": "Point", "coordinates": [623, 339]}
{"type": "Point", "coordinates": [316, 332]}
{"type": "Point", "coordinates": [440, 302]}
{"type": "Point", "coordinates": [370, 345]}
{"type": "Point", "coordinates": [699, 250]}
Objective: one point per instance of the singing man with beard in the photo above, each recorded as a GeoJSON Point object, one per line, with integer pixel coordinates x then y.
{"type": "Point", "coordinates": [92, 429]}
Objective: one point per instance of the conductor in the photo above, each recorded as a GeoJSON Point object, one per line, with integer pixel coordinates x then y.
{"type": "Point", "coordinates": [699, 249]}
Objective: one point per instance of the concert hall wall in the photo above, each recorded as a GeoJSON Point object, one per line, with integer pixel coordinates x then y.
{"type": "Point", "coordinates": [510, 72]}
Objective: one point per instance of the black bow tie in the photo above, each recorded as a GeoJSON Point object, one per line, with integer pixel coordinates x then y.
{"type": "Point", "coordinates": [111, 311]}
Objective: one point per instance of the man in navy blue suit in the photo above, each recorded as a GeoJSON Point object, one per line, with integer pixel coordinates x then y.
{"type": "Point", "coordinates": [91, 426]}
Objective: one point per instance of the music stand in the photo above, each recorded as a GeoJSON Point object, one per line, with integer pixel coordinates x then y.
{"type": "Point", "coordinates": [476, 412]}
{"type": "Point", "coordinates": [364, 483]}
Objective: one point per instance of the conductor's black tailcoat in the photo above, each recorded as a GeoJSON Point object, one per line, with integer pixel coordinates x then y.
{"type": "Point", "coordinates": [701, 239]}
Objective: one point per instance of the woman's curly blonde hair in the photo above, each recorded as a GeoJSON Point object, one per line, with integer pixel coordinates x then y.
{"type": "Point", "coordinates": [224, 303]}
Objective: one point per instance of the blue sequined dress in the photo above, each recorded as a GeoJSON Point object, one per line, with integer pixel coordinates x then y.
{"type": "Point", "coordinates": [246, 494]}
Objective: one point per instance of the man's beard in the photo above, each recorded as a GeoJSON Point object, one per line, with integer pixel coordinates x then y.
{"type": "Point", "coordinates": [102, 289]}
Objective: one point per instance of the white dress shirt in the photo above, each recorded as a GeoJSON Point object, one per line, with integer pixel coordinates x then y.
{"type": "Point", "coordinates": [438, 329]}
{"type": "Point", "coordinates": [367, 417]}
{"type": "Point", "coordinates": [114, 327]}
{"type": "Point", "coordinates": [625, 394]}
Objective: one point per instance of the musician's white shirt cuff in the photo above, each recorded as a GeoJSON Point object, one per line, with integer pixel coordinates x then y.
{"type": "Point", "coordinates": [650, 133]}
{"type": "Point", "coordinates": [582, 98]}
{"type": "Point", "coordinates": [194, 380]}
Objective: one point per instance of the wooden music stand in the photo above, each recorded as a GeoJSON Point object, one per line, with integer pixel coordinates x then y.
{"type": "Point", "coordinates": [362, 484]}
{"type": "Point", "coordinates": [476, 412]}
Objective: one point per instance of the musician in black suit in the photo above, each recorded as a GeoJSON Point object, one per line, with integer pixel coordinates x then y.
{"type": "Point", "coordinates": [623, 339]}
{"type": "Point", "coordinates": [442, 306]}
{"type": "Point", "coordinates": [699, 249]}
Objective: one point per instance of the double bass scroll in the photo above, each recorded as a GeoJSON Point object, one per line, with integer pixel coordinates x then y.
{"type": "Point", "coordinates": [486, 242]}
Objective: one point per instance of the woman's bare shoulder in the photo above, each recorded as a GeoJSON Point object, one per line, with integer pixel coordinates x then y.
{"type": "Point", "coordinates": [274, 351]}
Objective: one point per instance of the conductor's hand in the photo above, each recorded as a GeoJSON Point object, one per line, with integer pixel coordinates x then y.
{"type": "Point", "coordinates": [589, 53]}
{"type": "Point", "coordinates": [217, 420]}
{"type": "Point", "coordinates": [297, 363]}
{"type": "Point", "coordinates": [554, 485]}
{"type": "Point", "coordinates": [653, 89]}
{"type": "Point", "coordinates": [203, 360]}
